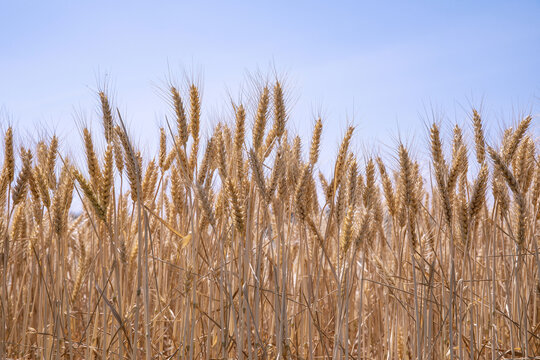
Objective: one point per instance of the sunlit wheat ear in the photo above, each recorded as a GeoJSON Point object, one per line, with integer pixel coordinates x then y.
{"type": "Point", "coordinates": [440, 169]}
{"type": "Point", "coordinates": [503, 169]}
{"type": "Point", "coordinates": [237, 206]}
{"type": "Point", "coordinates": [194, 111]}
{"type": "Point", "coordinates": [258, 174]}
{"type": "Point", "coordinates": [67, 185]}
{"type": "Point", "coordinates": [266, 149]}
{"type": "Point", "coordinates": [457, 141]}
{"type": "Point", "coordinates": [9, 157]}
{"type": "Point", "coordinates": [228, 139]}
{"type": "Point", "coordinates": [478, 192]}
{"type": "Point", "coordinates": [406, 176]}
{"type": "Point", "coordinates": [313, 196]}
{"type": "Point", "coordinates": [459, 167]}
{"type": "Point", "coordinates": [340, 165]}
{"type": "Point", "coordinates": [183, 165]}
{"type": "Point", "coordinates": [294, 163]}
{"type": "Point", "coordinates": [360, 187]}
{"type": "Point", "coordinates": [301, 194]}
{"type": "Point", "coordinates": [277, 170]}
{"type": "Point", "coordinates": [315, 142]}
{"type": "Point", "coordinates": [181, 120]}
{"type": "Point", "coordinates": [206, 204]}
{"type": "Point", "coordinates": [479, 140]}
{"type": "Point", "coordinates": [418, 187]}
{"type": "Point", "coordinates": [108, 177]}
{"type": "Point", "coordinates": [91, 159]}
{"type": "Point", "coordinates": [222, 157]}
{"type": "Point", "coordinates": [518, 196]}
{"type": "Point", "coordinates": [108, 124]}
{"type": "Point", "coordinates": [536, 183]}
{"type": "Point", "coordinates": [352, 182]}
{"type": "Point", "coordinates": [369, 189]}
{"type": "Point", "coordinates": [42, 151]}
{"type": "Point", "coordinates": [462, 212]}
{"type": "Point", "coordinates": [34, 188]}
{"type": "Point", "coordinates": [169, 160]}
{"type": "Point", "coordinates": [387, 188]}
{"type": "Point", "coordinates": [51, 162]}
{"type": "Point", "coordinates": [279, 111]}
{"type": "Point", "coordinates": [149, 181]}
{"type": "Point", "coordinates": [296, 151]}
{"type": "Point", "coordinates": [346, 232]}
{"type": "Point", "coordinates": [324, 183]}
{"type": "Point", "coordinates": [362, 237]}
{"type": "Point", "coordinates": [260, 120]}
{"type": "Point", "coordinates": [500, 193]}
{"type": "Point", "coordinates": [239, 136]}
{"type": "Point", "coordinates": [162, 149]}
{"type": "Point", "coordinates": [207, 161]}
{"type": "Point", "coordinates": [523, 163]}
{"type": "Point", "coordinates": [401, 209]}
{"type": "Point", "coordinates": [19, 190]}
{"type": "Point", "coordinates": [528, 165]}
{"type": "Point", "coordinates": [41, 182]}
{"type": "Point", "coordinates": [89, 193]}
{"type": "Point", "coordinates": [221, 204]}
{"type": "Point", "coordinates": [118, 153]}
{"type": "Point", "coordinates": [177, 190]}
{"type": "Point", "coordinates": [82, 267]}
{"type": "Point", "coordinates": [340, 206]}
{"type": "Point", "coordinates": [130, 162]}
{"type": "Point", "coordinates": [459, 150]}
{"type": "Point", "coordinates": [57, 210]}
{"type": "Point", "coordinates": [194, 125]}
{"type": "Point", "coordinates": [436, 147]}
{"type": "Point", "coordinates": [18, 227]}
{"type": "Point", "coordinates": [409, 193]}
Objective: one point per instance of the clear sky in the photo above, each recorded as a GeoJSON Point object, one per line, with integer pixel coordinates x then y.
{"type": "Point", "coordinates": [383, 66]}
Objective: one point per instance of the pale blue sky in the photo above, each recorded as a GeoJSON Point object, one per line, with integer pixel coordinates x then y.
{"type": "Point", "coordinates": [381, 65]}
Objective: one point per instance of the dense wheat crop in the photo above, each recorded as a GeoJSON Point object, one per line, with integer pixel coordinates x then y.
{"type": "Point", "coordinates": [235, 245]}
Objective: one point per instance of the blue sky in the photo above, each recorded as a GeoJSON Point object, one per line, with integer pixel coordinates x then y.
{"type": "Point", "coordinates": [383, 66]}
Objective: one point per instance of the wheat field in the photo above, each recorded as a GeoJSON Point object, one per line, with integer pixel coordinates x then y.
{"type": "Point", "coordinates": [238, 246]}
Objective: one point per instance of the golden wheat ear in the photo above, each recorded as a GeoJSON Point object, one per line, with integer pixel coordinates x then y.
{"type": "Point", "coordinates": [181, 120]}
{"type": "Point", "coordinates": [260, 120]}
{"type": "Point", "coordinates": [479, 140]}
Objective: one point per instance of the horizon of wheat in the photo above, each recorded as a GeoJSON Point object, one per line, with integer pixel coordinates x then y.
{"type": "Point", "coordinates": [240, 247]}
